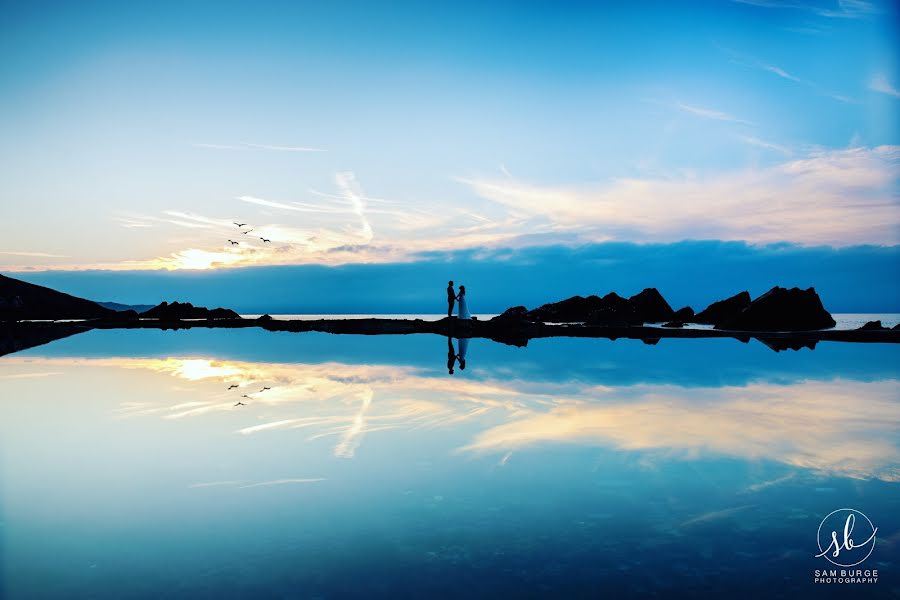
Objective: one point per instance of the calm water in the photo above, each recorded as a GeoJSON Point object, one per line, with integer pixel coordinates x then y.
{"type": "Point", "coordinates": [570, 468]}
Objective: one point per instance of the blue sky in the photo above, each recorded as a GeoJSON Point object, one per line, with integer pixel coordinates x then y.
{"type": "Point", "coordinates": [365, 134]}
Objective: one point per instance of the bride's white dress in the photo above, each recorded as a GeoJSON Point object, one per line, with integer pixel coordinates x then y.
{"type": "Point", "coordinates": [464, 308]}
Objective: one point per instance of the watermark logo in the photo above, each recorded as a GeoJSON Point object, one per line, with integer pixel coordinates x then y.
{"type": "Point", "coordinates": [846, 537]}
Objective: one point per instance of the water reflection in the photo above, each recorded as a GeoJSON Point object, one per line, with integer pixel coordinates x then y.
{"type": "Point", "coordinates": [836, 427]}
{"type": "Point", "coordinates": [357, 467]}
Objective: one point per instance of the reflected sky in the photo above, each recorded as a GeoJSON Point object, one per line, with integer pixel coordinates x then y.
{"type": "Point", "coordinates": [347, 446]}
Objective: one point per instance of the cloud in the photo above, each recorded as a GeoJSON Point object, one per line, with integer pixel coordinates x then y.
{"type": "Point", "coordinates": [750, 61]}
{"type": "Point", "coordinates": [708, 113]}
{"type": "Point", "coordinates": [780, 72]}
{"type": "Point", "coordinates": [31, 254]}
{"type": "Point", "coordinates": [837, 197]}
{"type": "Point", "coordinates": [845, 9]}
{"type": "Point", "coordinates": [880, 83]}
{"type": "Point", "coordinates": [755, 141]}
{"type": "Point", "coordinates": [346, 182]}
{"type": "Point", "coordinates": [245, 145]}
{"type": "Point", "coordinates": [282, 148]}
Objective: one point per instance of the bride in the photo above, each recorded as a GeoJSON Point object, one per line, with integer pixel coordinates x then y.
{"type": "Point", "coordinates": [463, 305]}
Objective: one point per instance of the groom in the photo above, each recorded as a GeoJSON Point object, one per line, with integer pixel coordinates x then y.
{"type": "Point", "coordinates": [451, 298]}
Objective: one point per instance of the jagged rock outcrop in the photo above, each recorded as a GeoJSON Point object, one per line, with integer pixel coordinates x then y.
{"type": "Point", "coordinates": [723, 310]}
{"type": "Point", "coordinates": [20, 300]}
{"type": "Point", "coordinates": [782, 309]}
{"type": "Point", "coordinates": [646, 306]}
{"type": "Point", "coordinates": [873, 326]}
{"type": "Point", "coordinates": [684, 314]}
{"type": "Point", "coordinates": [186, 310]}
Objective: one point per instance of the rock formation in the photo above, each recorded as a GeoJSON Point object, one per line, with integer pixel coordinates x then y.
{"type": "Point", "coordinates": [781, 309]}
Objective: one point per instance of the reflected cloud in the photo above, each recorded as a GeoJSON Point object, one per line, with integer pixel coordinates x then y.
{"type": "Point", "coordinates": [836, 427]}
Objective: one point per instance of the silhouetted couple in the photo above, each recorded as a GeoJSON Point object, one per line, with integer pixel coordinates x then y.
{"type": "Point", "coordinates": [453, 297]}
{"type": "Point", "coordinates": [453, 355]}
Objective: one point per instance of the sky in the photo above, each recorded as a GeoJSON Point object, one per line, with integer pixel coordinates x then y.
{"type": "Point", "coordinates": [450, 138]}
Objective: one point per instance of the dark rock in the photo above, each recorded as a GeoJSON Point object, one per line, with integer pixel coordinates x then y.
{"type": "Point", "coordinates": [264, 318]}
{"type": "Point", "coordinates": [650, 306]}
{"type": "Point", "coordinates": [896, 327]}
{"type": "Point", "coordinates": [126, 314]}
{"type": "Point", "coordinates": [872, 326]}
{"type": "Point", "coordinates": [572, 310]}
{"type": "Point", "coordinates": [684, 314]}
{"type": "Point", "coordinates": [516, 313]}
{"type": "Point", "coordinates": [780, 344]}
{"type": "Point", "coordinates": [674, 324]}
{"type": "Point", "coordinates": [20, 300]}
{"type": "Point", "coordinates": [723, 310]}
{"type": "Point", "coordinates": [186, 310]}
{"type": "Point", "coordinates": [782, 309]}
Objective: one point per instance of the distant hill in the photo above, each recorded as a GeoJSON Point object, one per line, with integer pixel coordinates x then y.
{"type": "Point", "coordinates": [21, 300]}
{"type": "Point", "coordinates": [119, 307]}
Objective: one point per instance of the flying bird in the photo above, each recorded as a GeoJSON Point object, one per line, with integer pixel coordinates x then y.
{"type": "Point", "coordinates": [233, 243]}
{"type": "Point", "coordinates": [264, 389]}
{"type": "Point", "coordinates": [239, 224]}
{"type": "Point", "coordinates": [246, 232]}
{"type": "Point", "coordinates": [265, 240]}
{"type": "Point", "coordinates": [232, 386]}
{"type": "Point", "coordinates": [246, 396]}
{"type": "Point", "coordinates": [240, 403]}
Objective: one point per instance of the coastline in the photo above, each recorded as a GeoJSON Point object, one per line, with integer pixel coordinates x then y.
{"type": "Point", "coordinates": [16, 336]}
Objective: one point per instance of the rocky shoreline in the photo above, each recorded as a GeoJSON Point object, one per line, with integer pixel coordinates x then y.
{"type": "Point", "coordinates": [21, 335]}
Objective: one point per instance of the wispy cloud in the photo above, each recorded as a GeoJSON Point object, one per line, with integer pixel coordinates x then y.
{"type": "Point", "coordinates": [749, 61]}
{"type": "Point", "coordinates": [346, 182]}
{"type": "Point", "coordinates": [245, 145]}
{"type": "Point", "coordinates": [283, 482]}
{"type": "Point", "coordinates": [880, 83]}
{"type": "Point", "coordinates": [755, 141]}
{"type": "Point", "coordinates": [842, 9]}
{"type": "Point", "coordinates": [31, 254]}
{"type": "Point", "coordinates": [708, 113]}
{"type": "Point", "coordinates": [283, 148]}
{"type": "Point", "coordinates": [838, 197]}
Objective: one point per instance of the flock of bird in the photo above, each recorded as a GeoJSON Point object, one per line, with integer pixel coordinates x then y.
{"type": "Point", "coordinates": [239, 403]}
{"type": "Point", "coordinates": [245, 232]}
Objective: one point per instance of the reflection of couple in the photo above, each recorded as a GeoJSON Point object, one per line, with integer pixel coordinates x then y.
{"type": "Point", "coordinates": [453, 356]}
{"type": "Point", "coordinates": [452, 297]}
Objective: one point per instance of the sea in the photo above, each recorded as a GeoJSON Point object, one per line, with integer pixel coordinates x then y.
{"type": "Point", "coordinates": [243, 463]}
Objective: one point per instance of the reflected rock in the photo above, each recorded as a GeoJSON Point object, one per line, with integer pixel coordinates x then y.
{"type": "Point", "coordinates": [779, 344]}
{"type": "Point", "coordinates": [650, 341]}
{"type": "Point", "coordinates": [15, 337]}
{"type": "Point", "coordinates": [782, 309]}
{"type": "Point", "coordinates": [186, 310]}
{"type": "Point", "coordinates": [723, 310]}
{"type": "Point", "coordinates": [20, 300]}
